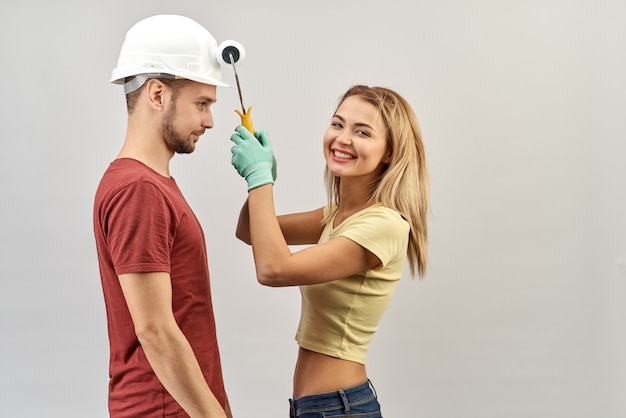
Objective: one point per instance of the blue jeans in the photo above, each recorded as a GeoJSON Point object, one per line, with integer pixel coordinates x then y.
{"type": "Point", "coordinates": [355, 402]}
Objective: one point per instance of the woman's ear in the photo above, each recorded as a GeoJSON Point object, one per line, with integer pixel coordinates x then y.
{"type": "Point", "coordinates": [388, 154]}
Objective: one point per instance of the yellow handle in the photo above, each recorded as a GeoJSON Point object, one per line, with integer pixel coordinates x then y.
{"type": "Point", "coordinates": [246, 121]}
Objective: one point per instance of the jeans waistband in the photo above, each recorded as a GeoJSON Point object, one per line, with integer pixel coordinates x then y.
{"type": "Point", "coordinates": [330, 400]}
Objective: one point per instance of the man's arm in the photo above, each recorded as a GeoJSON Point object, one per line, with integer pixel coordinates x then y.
{"type": "Point", "coordinates": [149, 300]}
{"type": "Point", "coordinates": [229, 412]}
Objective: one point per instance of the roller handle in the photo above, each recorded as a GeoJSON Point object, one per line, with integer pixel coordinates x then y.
{"type": "Point", "coordinates": [246, 120]}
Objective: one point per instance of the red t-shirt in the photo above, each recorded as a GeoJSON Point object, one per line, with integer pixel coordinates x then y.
{"type": "Point", "coordinates": [142, 223]}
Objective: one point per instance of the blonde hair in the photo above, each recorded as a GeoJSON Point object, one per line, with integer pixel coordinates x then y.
{"type": "Point", "coordinates": [403, 185]}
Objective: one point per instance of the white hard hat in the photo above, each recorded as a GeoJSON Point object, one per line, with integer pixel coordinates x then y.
{"type": "Point", "coordinates": [168, 46]}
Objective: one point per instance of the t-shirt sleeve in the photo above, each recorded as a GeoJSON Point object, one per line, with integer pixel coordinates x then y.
{"type": "Point", "coordinates": [140, 229]}
{"type": "Point", "coordinates": [381, 232]}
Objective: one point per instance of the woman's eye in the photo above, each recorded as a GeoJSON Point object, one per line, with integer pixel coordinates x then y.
{"type": "Point", "coordinates": [364, 133]}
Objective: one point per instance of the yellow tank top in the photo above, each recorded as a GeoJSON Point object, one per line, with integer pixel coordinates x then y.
{"type": "Point", "coordinates": [339, 318]}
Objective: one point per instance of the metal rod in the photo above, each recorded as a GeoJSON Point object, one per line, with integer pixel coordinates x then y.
{"type": "Point", "coordinates": [232, 61]}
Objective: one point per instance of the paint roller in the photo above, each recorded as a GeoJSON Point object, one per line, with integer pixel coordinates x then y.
{"type": "Point", "coordinates": [229, 54]}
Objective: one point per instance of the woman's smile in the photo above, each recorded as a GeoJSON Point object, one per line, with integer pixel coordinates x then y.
{"type": "Point", "coordinates": [342, 155]}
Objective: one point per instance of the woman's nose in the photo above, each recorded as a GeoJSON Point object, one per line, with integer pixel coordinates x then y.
{"type": "Point", "coordinates": [344, 137]}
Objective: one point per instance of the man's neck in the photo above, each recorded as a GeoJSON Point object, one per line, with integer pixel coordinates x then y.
{"type": "Point", "coordinates": [157, 157]}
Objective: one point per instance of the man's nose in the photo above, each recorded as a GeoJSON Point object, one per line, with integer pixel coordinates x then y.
{"type": "Point", "coordinates": [207, 121]}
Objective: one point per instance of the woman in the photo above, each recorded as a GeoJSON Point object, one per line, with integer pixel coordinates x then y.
{"type": "Point", "coordinates": [375, 220]}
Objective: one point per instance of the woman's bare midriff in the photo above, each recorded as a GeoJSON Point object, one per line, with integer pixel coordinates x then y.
{"type": "Point", "coordinates": [319, 373]}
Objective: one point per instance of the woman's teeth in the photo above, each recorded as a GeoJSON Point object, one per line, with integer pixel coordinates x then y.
{"type": "Point", "coordinates": [343, 155]}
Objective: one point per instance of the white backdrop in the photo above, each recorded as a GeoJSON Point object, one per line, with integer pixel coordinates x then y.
{"type": "Point", "coordinates": [522, 105]}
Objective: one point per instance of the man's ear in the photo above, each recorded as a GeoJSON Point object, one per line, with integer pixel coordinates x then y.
{"type": "Point", "coordinates": [155, 90]}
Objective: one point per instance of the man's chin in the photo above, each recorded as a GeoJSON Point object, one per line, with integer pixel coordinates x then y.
{"type": "Point", "coordinates": [185, 151]}
{"type": "Point", "coordinates": [187, 148]}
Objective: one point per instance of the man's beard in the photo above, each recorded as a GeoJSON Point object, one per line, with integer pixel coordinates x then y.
{"type": "Point", "coordinates": [172, 139]}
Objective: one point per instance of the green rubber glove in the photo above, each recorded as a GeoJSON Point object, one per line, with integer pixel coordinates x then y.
{"type": "Point", "coordinates": [253, 157]}
{"type": "Point", "coordinates": [264, 138]}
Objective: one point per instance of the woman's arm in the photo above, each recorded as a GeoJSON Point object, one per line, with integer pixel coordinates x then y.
{"type": "Point", "coordinates": [277, 266]}
{"type": "Point", "coordinates": [243, 224]}
{"type": "Point", "coordinates": [297, 228]}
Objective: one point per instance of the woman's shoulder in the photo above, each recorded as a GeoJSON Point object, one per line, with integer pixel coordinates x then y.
{"type": "Point", "coordinates": [377, 219]}
{"type": "Point", "coordinates": [381, 211]}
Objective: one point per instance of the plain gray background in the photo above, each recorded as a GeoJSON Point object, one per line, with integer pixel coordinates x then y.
{"type": "Point", "coordinates": [522, 104]}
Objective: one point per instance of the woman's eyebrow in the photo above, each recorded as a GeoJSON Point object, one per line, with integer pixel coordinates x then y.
{"type": "Point", "coordinates": [361, 124]}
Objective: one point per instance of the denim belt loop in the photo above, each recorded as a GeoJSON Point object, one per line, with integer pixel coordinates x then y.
{"type": "Point", "coordinates": [344, 399]}
{"type": "Point", "coordinates": [292, 409]}
{"type": "Point", "coordinates": [373, 388]}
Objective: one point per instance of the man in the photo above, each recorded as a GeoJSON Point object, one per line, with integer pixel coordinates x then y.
{"type": "Point", "coordinates": [164, 357]}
